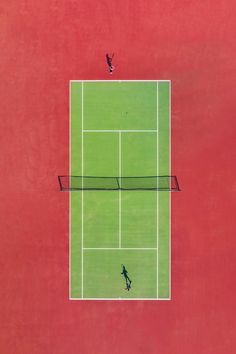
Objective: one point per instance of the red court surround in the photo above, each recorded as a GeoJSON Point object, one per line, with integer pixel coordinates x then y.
{"type": "Point", "coordinates": [46, 43]}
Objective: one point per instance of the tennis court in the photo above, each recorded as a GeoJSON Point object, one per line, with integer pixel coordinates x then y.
{"type": "Point", "coordinates": [120, 128]}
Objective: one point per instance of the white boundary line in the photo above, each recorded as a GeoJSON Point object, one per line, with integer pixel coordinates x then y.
{"type": "Point", "coordinates": [82, 195]}
{"type": "Point", "coordinates": [157, 192]}
{"type": "Point", "coordinates": [113, 299]}
{"type": "Point", "coordinates": [69, 193]}
{"type": "Point", "coordinates": [119, 299]}
{"type": "Point", "coordinates": [119, 131]}
{"type": "Point", "coordinates": [120, 190]}
{"type": "Point", "coordinates": [119, 248]}
{"type": "Point", "coordinates": [170, 192]}
{"type": "Point", "coordinates": [120, 80]}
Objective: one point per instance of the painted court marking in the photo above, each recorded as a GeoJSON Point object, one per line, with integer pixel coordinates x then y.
{"type": "Point", "coordinates": [120, 81]}
{"type": "Point", "coordinates": [157, 270]}
{"type": "Point", "coordinates": [82, 198]}
{"type": "Point", "coordinates": [120, 174]}
{"type": "Point", "coordinates": [120, 248]}
{"type": "Point", "coordinates": [170, 194]}
{"type": "Point", "coordinates": [120, 299]}
{"type": "Point", "coordinates": [69, 193]}
{"type": "Point", "coordinates": [120, 131]}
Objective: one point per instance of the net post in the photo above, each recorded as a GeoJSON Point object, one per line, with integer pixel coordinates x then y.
{"type": "Point", "coordinates": [60, 184]}
{"type": "Point", "coordinates": [177, 183]}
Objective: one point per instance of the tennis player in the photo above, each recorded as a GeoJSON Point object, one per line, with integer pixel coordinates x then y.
{"type": "Point", "coordinates": [109, 62]}
{"type": "Point", "coordinates": [128, 281]}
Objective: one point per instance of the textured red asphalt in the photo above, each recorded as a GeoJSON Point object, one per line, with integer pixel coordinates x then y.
{"type": "Point", "coordinates": [43, 45]}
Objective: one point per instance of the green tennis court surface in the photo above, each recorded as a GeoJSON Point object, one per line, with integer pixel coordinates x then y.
{"type": "Point", "coordinates": [119, 128]}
